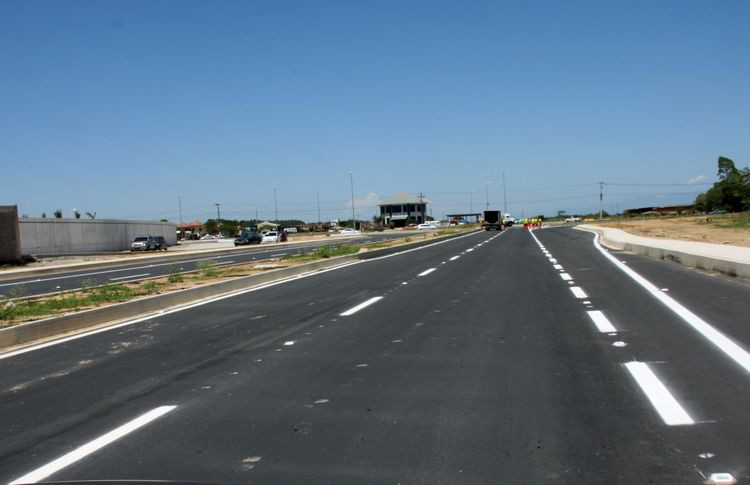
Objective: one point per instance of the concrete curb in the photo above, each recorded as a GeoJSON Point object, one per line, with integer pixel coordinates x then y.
{"type": "Point", "coordinates": [705, 263]}
{"type": "Point", "coordinates": [38, 330]}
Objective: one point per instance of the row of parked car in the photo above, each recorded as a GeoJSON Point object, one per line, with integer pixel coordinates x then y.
{"type": "Point", "coordinates": [149, 243]}
{"type": "Point", "coordinates": [246, 237]}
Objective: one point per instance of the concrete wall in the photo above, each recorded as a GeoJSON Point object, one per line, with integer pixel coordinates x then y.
{"type": "Point", "coordinates": [10, 240]}
{"type": "Point", "coordinates": [74, 236]}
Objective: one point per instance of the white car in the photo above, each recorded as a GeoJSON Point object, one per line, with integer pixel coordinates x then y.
{"type": "Point", "coordinates": [427, 225]}
{"type": "Point", "coordinates": [347, 231]}
{"type": "Point", "coordinates": [271, 237]}
{"type": "Point", "coordinates": [573, 219]}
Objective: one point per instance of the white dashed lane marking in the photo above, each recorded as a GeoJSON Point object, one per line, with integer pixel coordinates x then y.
{"type": "Point", "coordinates": [362, 305]}
{"type": "Point", "coordinates": [661, 399]}
{"type": "Point", "coordinates": [426, 272]}
{"type": "Point", "coordinates": [578, 292]}
{"type": "Point", "coordinates": [601, 322]}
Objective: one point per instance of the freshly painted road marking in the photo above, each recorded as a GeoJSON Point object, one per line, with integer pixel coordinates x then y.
{"type": "Point", "coordinates": [566, 276]}
{"type": "Point", "coordinates": [721, 341]}
{"type": "Point", "coordinates": [557, 266]}
{"type": "Point", "coordinates": [362, 305]}
{"type": "Point", "coordinates": [578, 292]}
{"type": "Point", "coordinates": [470, 250]}
{"type": "Point", "coordinates": [426, 272]}
{"type": "Point", "coordinates": [601, 322]}
{"type": "Point", "coordinates": [224, 262]}
{"type": "Point", "coordinates": [277, 255]}
{"type": "Point", "coordinates": [661, 399]}
{"type": "Point", "coordinates": [131, 276]}
{"type": "Point", "coordinates": [92, 446]}
{"type": "Point", "coordinates": [454, 258]}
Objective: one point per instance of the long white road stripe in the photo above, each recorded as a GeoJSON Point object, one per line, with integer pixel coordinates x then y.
{"type": "Point", "coordinates": [426, 272]}
{"type": "Point", "coordinates": [601, 322]}
{"type": "Point", "coordinates": [131, 276]}
{"type": "Point", "coordinates": [578, 292]}
{"type": "Point", "coordinates": [92, 446]}
{"type": "Point", "coordinates": [661, 399]}
{"type": "Point", "coordinates": [454, 258]}
{"type": "Point", "coordinates": [721, 341]}
{"type": "Point", "coordinates": [362, 305]}
{"type": "Point", "coordinates": [565, 276]}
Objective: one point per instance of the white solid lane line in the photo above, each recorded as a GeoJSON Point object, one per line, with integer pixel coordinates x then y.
{"type": "Point", "coordinates": [426, 272]}
{"type": "Point", "coordinates": [131, 276]}
{"type": "Point", "coordinates": [92, 446]}
{"type": "Point", "coordinates": [454, 258]}
{"type": "Point", "coordinates": [721, 341]}
{"type": "Point", "coordinates": [661, 399]}
{"type": "Point", "coordinates": [362, 305]}
{"type": "Point", "coordinates": [566, 276]}
{"type": "Point", "coordinates": [224, 262]}
{"type": "Point", "coordinates": [601, 322]}
{"type": "Point", "coordinates": [578, 292]}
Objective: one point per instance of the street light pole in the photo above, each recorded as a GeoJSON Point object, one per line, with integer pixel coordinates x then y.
{"type": "Point", "coordinates": [351, 183]}
{"type": "Point", "coordinates": [317, 192]}
{"type": "Point", "coordinates": [275, 206]}
{"type": "Point", "coordinates": [487, 193]}
{"type": "Point", "coordinates": [218, 218]}
{"type": "Point", "coordinates": [505, 202]}
{"type": "Point", "coordinates": [471, 201]}
{"type": "Point", "coordinates": [179, 203]}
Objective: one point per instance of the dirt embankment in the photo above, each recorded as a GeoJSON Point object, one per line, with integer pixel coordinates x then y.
{"type": "Point", "coordinates": [731, 229]}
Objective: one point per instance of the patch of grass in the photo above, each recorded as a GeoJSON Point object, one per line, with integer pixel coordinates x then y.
{"type": "Point", "coordinates": [207, 268]}
{"type": "Point", "coordinates": [731, 221]}
{"type": "Point", "coordinates": [174, 274]}
{"type": "Point", "coordinates": [324, 252]}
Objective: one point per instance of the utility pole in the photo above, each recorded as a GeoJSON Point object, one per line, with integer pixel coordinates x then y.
{"type": "Point", "coordinates": [505, 202]}
{"type": "Point", "coordinates": [601, 195]}
{"type": "Point", "coordinates": [256, 218]}
{"type": "Point", "coordinates": [218, 218]}
{"type": "Point", "coordinates": [351, 183]}
{"type": "Point", "coordinates": [471, 201]}
{"type": "Point", "coordinates": [317, 192]}
{"type": "Point", "coordinates": [275, 206]}
{"type": "Point", "coordinates": [179, 203]}
{"type": "Point", "coordinates": [487, 193]}
{"type": "Point", "coordinates": [421, 208]}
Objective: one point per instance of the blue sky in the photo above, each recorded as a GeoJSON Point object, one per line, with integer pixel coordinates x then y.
{"type": "Point", "coordinates": [119, 107]}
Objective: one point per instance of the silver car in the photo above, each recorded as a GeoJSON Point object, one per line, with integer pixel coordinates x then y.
{"type": "Point", "coordinates": [143, 243]}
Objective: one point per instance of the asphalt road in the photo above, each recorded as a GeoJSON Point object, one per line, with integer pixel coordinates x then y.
{"type": "Point", "coordinates": [139, 270]}
{"type": "Point", "coordinates": [475, 360]}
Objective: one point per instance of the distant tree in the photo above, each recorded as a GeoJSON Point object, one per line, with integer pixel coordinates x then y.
{"type": "Point", "coordinates": [44, 215]}
{"type": "Point", "coordinates": [561, 213]}
{"type": "Point", "coordinates": [91, 215]}
{"type": "Point", "coordinates": [731, 192]}
{"type": "Point", "coordinates": [163, 220]}
{"type": "Point", "coordinates": [77, 214]}
{"type": "Point", "coordinates": [58, 214]}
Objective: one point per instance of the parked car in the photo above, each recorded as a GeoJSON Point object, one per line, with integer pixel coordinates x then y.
{"type": "Point", "coordinates": [427, 225]}
{"type": "Point", "coordinates": [248, 238]}
{"type": "Point", "coordinates": [271, 237]}
{"type": "Point", "coordinates": [347, 231]}
{"type": "Point", "coordinates": [160, 243]}
{"type": "Point", "coordinates": [573, 219]}
{"type": "Point", "coordinates": [143, 243]}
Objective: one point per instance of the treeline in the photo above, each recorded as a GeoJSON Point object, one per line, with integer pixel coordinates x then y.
{"type": "Point", "coordinates": [731, 193]}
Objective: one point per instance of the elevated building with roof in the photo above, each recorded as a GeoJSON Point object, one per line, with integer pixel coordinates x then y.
{"type": "Point", "coordinates": [402, 209]}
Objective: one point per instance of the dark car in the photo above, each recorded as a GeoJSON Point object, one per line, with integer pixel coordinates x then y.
{"type": "Point", "coordinates": [160, 243]}
{"type": "Point", "coordinates": [247, 238]}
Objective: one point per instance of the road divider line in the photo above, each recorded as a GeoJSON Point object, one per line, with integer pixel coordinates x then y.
{"type": "Point", "coordinates": [362, 305]}
{"type": "Point", "coordinates": [426, 272]}
{"type": "Point", "coordinates": [92, 446]}
{"type": "Point", "coordinates": [131, 276]}
{"type": "Point", "coordinates": [721, 341]}
{"type": "Point", "coordinates": [578, 292]}
{"type": "Point", "coordinates": [224, 262]}
{"type": "Point", "coordinates": [454, 258]}
{"type": "Point", "coordinates": [557, 266]}
{"type": "Point", "coordinates": [601, 322]}
{"type": "Point", "coordinates": [661, 399]}
{"type": "Point", "coordinates": [566, 276]}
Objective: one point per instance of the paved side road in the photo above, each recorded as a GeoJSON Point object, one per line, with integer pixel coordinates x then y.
{"type": "Point", "coordinates": [492, 358]}
{"type": "Point", "coordinates": [123, 273]}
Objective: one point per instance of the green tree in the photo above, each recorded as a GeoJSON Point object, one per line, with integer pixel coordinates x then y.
{"type": "Point", "coordinates": [731, 192]}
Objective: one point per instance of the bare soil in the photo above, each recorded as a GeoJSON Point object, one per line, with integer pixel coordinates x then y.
{"type": "Point", "coordinates": [720, 229]}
